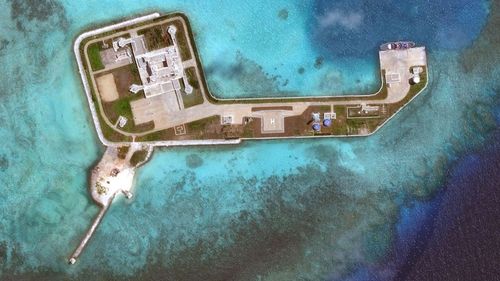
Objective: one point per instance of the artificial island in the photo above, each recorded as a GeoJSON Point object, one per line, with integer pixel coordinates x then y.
{"type": "Point", "coordinates": [145, 87]}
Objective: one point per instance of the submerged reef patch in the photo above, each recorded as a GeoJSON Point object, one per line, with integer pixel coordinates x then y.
{"type": "Point", "coordinates": [194, 161]}
{"type": "Point", "coordinates": [4, 163]}
{"type": "Point", "coordinates": [249, 77]}
{"type": "Point", "coordinates": [283, 14]}
{"type": "Point", "coordinates": [3, 44]}
{"type": "Point", "coordinates": [23, 11]}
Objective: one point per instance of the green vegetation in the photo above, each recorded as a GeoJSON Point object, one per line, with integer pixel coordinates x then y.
{"type": "Point", "coordinates": [195, 130]}
{"type": "Point", "coordinates": [136, 77]}
{"type": "Point", "coordinates": [122, 151]}
{"type": "Point", "coordinates": [367, 124]}
{"type": "Point", "coordinates": [94, 56]}
{"type": "Point", "coordinates": [182, 40]}
{"type": "Point", "coordinates": [248, 131]}
{"type": "Point", "coordinates": [324, 108]}
{"type": "Point", "coordinates": [339, 128]}
{"type": "Point", "coordinates": [117, 108]}
{"type": "Point", "coordinates": [195, 97]}
{"type": "Point", "coordinates": [339, 125]}
{"type": "Point", "coordinates": [157, 136]}
{"type": "Point", "coordinates": [141, 128]}
{"type": "Point", "coordinates": [110, 133]}
{"type": "Point", "coordinates": [101, 189]}
{"type": "Point", "coordinates": [198, 125]}
{"type": "Point", "coordinates": [156, 37]}
{"type": "Point", "coordinates": [138, 157]}
{"type": "Point", "coordinates": [340, 110]}
{"type": "Point", "coordinates": [192, 77]}
{"type": "Point", "coordinates": [121, 107]}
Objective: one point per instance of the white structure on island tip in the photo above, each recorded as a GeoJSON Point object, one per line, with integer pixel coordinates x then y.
{"type": "Point", "coordinates": [127, 194]}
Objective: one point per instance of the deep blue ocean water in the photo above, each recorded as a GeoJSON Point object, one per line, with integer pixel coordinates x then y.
{"type": "Point", "coordinates": [376, 208]}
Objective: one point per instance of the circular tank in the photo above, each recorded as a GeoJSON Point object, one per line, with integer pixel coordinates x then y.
{"type": "Point", "coordinates": [327, 122]}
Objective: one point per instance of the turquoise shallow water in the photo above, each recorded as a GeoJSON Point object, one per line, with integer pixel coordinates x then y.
{"type": "Point", "coordinates": [275, 210]}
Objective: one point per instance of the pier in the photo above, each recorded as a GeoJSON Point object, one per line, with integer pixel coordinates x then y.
{"type": "Point", "coordinates": [113, 175]}
{"type": "Point", "coordinates": [87, 236]}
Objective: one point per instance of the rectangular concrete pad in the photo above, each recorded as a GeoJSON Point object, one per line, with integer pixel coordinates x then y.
{"type": "Point", "coordinates": [145, 110]}
{"type": "Point", "coordinates": [112, 59]}
{"type": "Point", "coordinates": [156, 108]}
{"type": "Point", "coordinates": [107, 87]}
{"type": "Point", "coordinates": [272, 122]}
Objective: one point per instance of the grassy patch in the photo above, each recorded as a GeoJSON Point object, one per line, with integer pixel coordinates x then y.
{"type": "Point", "coordinates": [156, 37]}
{"type": "Point", "coordinates": [364, 124]}
{"type": "Point", "coordinates": [195, 97]}
{"type": "Point", "coordinates": [111, 134]}
{"type": "Point", "coordinates": [206, 128]}
{"type": "Point", "coordinates": [339, 129]}
{"type": "Point", "coordinates": [140, 128]}
{"type": "Point", "coordinates": [122, 152]}
{"type": "Point", "coordinates": [202, 123]}
{"type": "Point", "coordinates": [248, 131]}
{"type": "Point", "coordinates": [136, 77]}
{"type": "Point", "coordinates": [324, 108]}
{"type": "Point", "coordinates": [339, 125]}
{"type": "Point", "coordinates": [117, 108]}
{"type": "Point", "coordinates": [108, 132]}
{"type": "Point", "coordinates": [138, 156]}
{"type": "Point", "coordinates": [121, 107]}
{"type": "Point", "coordinates": [182, 40]}
{"type": "Point", "coordinates": [166, 134]}
{"type": "Point", "coordinates": [94, 56]}
{"type": "Point", "coordinates": [192, 77]}
{"type": "Point", "coordinates": [340, 110]}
